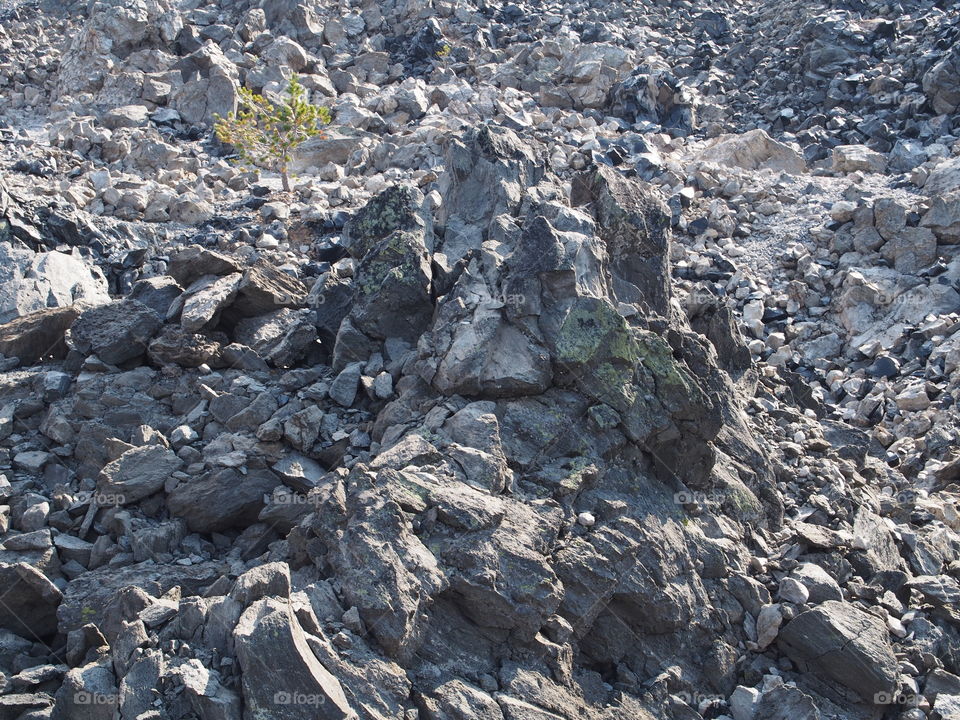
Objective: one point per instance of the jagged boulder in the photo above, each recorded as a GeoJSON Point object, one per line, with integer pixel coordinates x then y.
{"type": "Point", "coordinates": [844, 644]}
{"type": "Point", "coordinates": [30, 604]}
{"type": "Point", "coordinates": [30, 282]}
{"type": "Point", "coordinates": [390, 294]}
{"type": "Point", "coordinates": [282, 678]}
{"type": "Point", "coordinates": [38, 335]}
{"type": "Point", "coordinates": [116, 332]}
{"type": "Point", "coordinates": [940, 83]}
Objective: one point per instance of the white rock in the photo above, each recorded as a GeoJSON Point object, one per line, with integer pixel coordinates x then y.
{"type": "Point", "coordinates": [794, 591]}
{"type": "Point", "coordinates": [768, 625]}
{"type": "Point", "coordinates": [743, 702]}
{"type": "Point", "coordinates": [896, 627]}
{"type": "Point", "coordinates": [913, 398]}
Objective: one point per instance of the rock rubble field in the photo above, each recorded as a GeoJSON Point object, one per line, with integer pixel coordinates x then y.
{"type": "Point", "coordinates": [601, 364]}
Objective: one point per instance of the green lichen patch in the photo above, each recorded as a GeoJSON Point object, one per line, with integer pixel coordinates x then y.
{"type": "Point", "coordinates": [593, 332]}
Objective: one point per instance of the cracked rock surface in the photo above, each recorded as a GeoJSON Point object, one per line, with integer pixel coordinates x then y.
{"type": "Point", "coordinates": [601, 364]}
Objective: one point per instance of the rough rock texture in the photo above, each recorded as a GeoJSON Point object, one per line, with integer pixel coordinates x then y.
{"type": "Point", "coordinates": [601, 362]}
{"type": "Point", "coordinates": [844, 644]}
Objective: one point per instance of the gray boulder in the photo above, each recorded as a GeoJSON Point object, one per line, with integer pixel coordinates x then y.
{"type": "Point", "coordinates": [785, 703]}
{"type": "Point", "coordinates": [205, 692]}
{"type": "Point", "coordinates": [30, 601]}
{"type": "Point", "coordinates": [634, 224]}
{"type": "Point", "coordinates": [282, 337]}
{"type": "Point", "coordinates": [841, 643]}
{"type": "Point", "coordinates": [31, 282]}
{"type": "Point", "coordinates": [192, 262]}
{"type": "Point", "coordinates": [116, 332]}
{"type": "Point", "coordinates": [205, 299]}
{"type": "Point", "coordinates": [264, 289]}
{"type": "Point", "coordinates": [157, 293]}
{"type": "Point", "coordinates": [88, 693]}
{"type": "Point", "coordinates": [941, 84]}
{"type": "Point", "coordinates": [39, 335]}
{"type": "Point", "coordinates": [943, 217]}
{"type": "Point", "coordinates": [137, 473]}
{"type": "Point", "coordinates": [282, 678]}
{"type": "Point", "coordinates": [210, 88]}
{"type": "Point", "coordinates": [222, 499]}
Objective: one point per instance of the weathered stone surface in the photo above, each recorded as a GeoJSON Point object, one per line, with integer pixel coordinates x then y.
{"type": "Point", "coordinates": [940, 83]}
{"type": "Point", "coordinates": [281, 675]}
{"type": "Point", "coordinates": [137, 473]}
{"type": "Point", "coordinates": [88, 693]}
{"type": "Point", "coordinates": [844, 644]}
{"type": "Point", "coordinates": [173, 346]}
{"type": "Point", "coordinates": [282, 337]}
{"type": "Point", "coordinates": [39, 335]}
{"type": "Point", "coordinates": [263, 289]}
{"type": "Point", "coordinates": [208, 697]}
{"type": "Point", "coordinates": [157, 293]}
{"type": "Point", "coordinates": [30, 601]}
{"type": "Point", "coordinates": [943, 217]}
{"type": "Point", "coordinates": [754, 150]}
{"type": "Point", "coordinates": [94, 597]}
{"type": "Point", "coordinates": [634, 225]}
{"type": "Point", "coordinates": [857, 158]}
{"type": "Point", "coordinates": [222, 499]}
{"type": "Point", "coordinates": [205, 299]}
{"type": "Point", "coordinates": [116, 332]}
{"type": "Point", "coordinates": [32, 282]}
{"type": "Point", "coordinates": [193, 262]}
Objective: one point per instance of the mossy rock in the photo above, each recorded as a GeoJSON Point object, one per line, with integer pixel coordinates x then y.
{"type": "Point", "coordinates": [594, 332]}
{"type": "Point", "coordinates": [396, 208]}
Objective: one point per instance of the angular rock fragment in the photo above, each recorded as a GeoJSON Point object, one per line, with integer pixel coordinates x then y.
{"type": "Point", "coordinates": [222, 499]}
{"type": "Point", "coordinates": [39, 335]}
{"type": "Point", "coordinates": [754, 150]}
{"type": "Point", "coordinates": [264, 289]}
{"type": "Point", "coordinates": [137, 473]}
{"type": "Point", "coordinates": [843, 644]}
{"type": "Point", "coordinates": [282, 337]}
{"type": "Point", "coordinates": [205, 300]}
{"type": "Point", "coordinates": [29, 603]}
{"type": "Point", "coordinates": [282, 678]}
{"type": "Point", "coordinates": [116, 332]}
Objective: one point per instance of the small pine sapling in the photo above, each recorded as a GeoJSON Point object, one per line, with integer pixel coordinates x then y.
{"type": "Point", "coordinates": [265, 133]}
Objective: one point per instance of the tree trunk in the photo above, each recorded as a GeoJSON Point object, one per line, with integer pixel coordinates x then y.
{"type": "Point", "coordinates": [285, 178]}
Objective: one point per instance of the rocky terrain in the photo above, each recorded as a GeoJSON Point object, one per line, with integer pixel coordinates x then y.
{"type": "Point", "coordinates": [602, 363]}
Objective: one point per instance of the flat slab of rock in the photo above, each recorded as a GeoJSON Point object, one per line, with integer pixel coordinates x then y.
{"type": "Point", "coordinates": [844, 644]}
{"type": "Point", "coordinates": [89, 597]}
{"type": "Point", "coordinates": [753, 150]}
{"type": "Point", "coordinates": [116, 332]}
{"type": "Point", "coordinates": [38, 335]}
{"type": "Point", "coordinates": [857, 158]}
{"type": "Point", "coordinates": [29, 601]}
{"type": "Point", "coordinates": [206, 299]}
{"type": "Point", "coordinates": [264, 289]}
{"type": "Point", "coordinates": [137, 473]}
{"type": "Point", "coordinates": [192, 262]}
{"type": "Point", "coordinates": [282, 678]}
